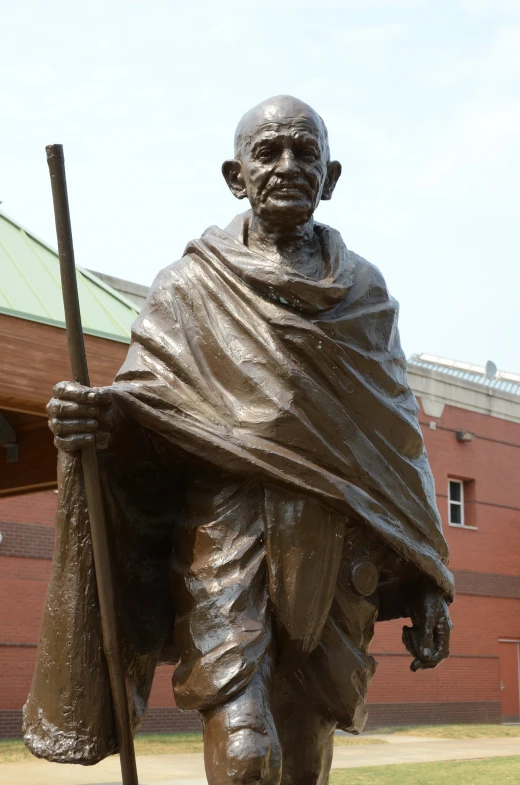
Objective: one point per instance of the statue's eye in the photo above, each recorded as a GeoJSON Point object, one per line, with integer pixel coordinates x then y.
{"type": "Point", "coordinates": [309, 153]}
{"type": "Point", "coordinates": [265, 154]}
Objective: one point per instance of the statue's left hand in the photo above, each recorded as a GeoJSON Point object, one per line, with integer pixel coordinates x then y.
{"type": "Point", "coordinates": [428, 641]}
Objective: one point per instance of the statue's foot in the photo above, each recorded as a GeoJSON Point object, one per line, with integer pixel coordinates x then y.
{"type": "Point", "coordinates": [240, 741]}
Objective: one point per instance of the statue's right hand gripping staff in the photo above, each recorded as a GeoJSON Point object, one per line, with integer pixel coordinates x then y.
{"type": "Point", "coordinates": [100, 549]}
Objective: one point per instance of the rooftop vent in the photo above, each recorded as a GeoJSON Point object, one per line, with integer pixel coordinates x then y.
{"type": "Point", "coordinates": [491, 369]}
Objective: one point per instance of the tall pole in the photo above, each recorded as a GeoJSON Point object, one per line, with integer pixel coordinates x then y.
{"type": "Point", "coordinates": [78, 361]}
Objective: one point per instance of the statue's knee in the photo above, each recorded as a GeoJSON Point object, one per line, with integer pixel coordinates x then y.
{"type": "Point", "coordinates": [253, 757]}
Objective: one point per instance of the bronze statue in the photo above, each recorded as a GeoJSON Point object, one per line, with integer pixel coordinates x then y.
{"type": "Point", "coordinates": [266, 487]}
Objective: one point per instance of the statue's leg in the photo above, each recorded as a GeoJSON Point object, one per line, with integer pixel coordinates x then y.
{"type": "Point", "coordinates": [306, 735]}
{"type": "Point", "coordinates": [240, 739]}
{"type": "Point", "coordinates": [223, 628]}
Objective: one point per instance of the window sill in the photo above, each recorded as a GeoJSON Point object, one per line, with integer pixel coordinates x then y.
{"type": "Point", "coordinates": [462, 526]}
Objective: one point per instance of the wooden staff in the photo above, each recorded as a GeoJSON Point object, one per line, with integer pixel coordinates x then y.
{"type": "Point", "coordinates": [78, 361]}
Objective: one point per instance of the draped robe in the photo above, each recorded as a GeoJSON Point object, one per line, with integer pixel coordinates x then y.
{"type": "Point", "coordinates": [240, 363]}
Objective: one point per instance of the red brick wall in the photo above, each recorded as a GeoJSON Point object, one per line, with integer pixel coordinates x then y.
{"type": "Point", "coordinates": [465, 687]}
{"type": "Point", "coordinates": [471, 674]}
{"type": "Point", "coordinates": [493, 466]}
{"type": "Point", "coordinates": [23, 587]}
{"type": "Point", "coordinates": [37, 508]}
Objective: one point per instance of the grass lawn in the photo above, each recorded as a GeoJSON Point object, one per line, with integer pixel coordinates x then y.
{"type": "Point", "coordinates": [170, 743]}
{"type": "Point", "coordinates": [506, 771]}
{"type": "Point", "coordinates": [13, 750]}
{"type": "Point", "coordinates": [348, 741]}
{"type": "Point", "coordinates": [167, 743]}
{"type": "Point", "coordinates": [456, 731]}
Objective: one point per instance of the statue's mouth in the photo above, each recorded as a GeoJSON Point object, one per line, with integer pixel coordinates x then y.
{"type": "Point", "coordinates": [288, 190]}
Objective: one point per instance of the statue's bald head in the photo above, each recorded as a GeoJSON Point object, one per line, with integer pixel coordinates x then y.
{"type": "Point", "coordinates": [282, 161]}
{"type": "Point", "coordinates": [279, 109]}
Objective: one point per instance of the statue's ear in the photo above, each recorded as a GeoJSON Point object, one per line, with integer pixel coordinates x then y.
{"type": "Point", "coordinates": [333, 175]}
{"type": "Point", "coordinates": [232, 171]}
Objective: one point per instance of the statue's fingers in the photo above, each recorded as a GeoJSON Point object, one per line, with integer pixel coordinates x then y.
{"type": "Point", "coordinates": [406, 638]}
{"type": "Point", "coordinates": [426, 648]}
{"type": "Point", "coordinates": [105, 416]}
{"type": "Point", "coordinates": [68, 410]}
{"type": "Point", "coordinates": [435, 660]}
{"type": "Point", "coordinates": [418, 664]}
{"type": "Point", "coordinates": [442, 639]}
{"type": "Point", "coordinates": [414, 643]}
{"type": "Point", "coordinates": [409, 641]}
{"type": "Point", "coordinates": [73, 444]}
{"type": "Point", "coordinates": [100, 396]}
{"type": "Point", "coordinates": [72, 391]}
{"type": "Point", "coordinates": [72, 427]}
{"type": "Point", "coordinates": [440, 649]}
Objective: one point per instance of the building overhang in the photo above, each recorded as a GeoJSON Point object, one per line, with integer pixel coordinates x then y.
{"type": "Point", "coordinates": [436, 390]}
{"type": "Point", "coordinates": [34, 358]}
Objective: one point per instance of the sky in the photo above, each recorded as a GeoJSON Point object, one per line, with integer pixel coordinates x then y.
{"type": "Point", "coordinates": [421, 99]}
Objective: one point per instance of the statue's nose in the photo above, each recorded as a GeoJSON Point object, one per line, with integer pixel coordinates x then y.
{"type": "Point", "coordinates": [286, 162]}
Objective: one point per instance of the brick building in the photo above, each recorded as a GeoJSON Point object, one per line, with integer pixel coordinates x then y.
{"type": "Point", "coordinates": [471, 426]}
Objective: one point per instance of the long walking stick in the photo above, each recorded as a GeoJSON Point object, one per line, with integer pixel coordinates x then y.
{"type": "Point", "coordinates": [78, 360]}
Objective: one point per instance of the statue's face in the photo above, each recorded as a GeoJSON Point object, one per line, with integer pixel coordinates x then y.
{"type": "Point", "coordinates": [282, 164]}
{"type": "Point", "coordinates": [284, 169]}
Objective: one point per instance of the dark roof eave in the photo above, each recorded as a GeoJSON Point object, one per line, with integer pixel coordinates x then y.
{"type": "Point", "coordinates": [54, 323]}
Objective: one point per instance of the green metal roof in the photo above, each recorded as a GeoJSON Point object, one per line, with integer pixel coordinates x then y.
{"type": "Point", "coordinates": [30, 287]}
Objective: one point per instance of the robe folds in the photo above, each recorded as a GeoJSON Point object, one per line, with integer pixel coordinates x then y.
{"type": "Point", "coordinates": [241, 365]}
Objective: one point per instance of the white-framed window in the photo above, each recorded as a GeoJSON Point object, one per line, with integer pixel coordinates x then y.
{"type": "Point", "coordinates": [456, 502]}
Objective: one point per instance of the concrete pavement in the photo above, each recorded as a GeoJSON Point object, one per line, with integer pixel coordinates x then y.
{"type": "Point", "coordinates": [188, 769]}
